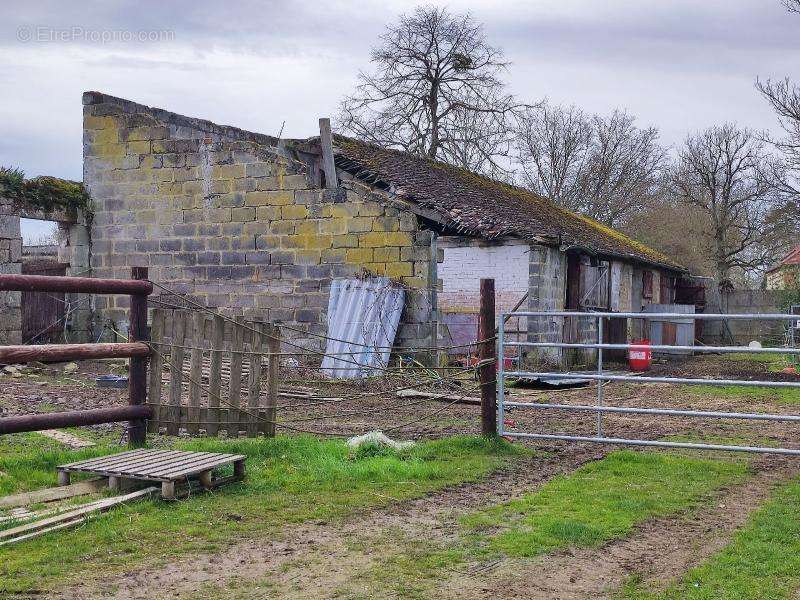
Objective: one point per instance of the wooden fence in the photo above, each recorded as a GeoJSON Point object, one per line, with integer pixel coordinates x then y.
{"type": "Point", "coordinates": [206, 374]}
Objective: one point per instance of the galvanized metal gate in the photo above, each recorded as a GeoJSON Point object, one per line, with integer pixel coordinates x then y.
{"type": "Point", "coordinates": [600, 376]}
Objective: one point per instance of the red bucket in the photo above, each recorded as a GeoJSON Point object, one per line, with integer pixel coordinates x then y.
{"type": "Point", "coordinates": [639, 355]}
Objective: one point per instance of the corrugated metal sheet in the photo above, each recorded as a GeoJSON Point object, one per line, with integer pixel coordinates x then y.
{"type": "Point", "coordinates": [672, 332]}
{"type": "Point", "coordinates": [363, 317]}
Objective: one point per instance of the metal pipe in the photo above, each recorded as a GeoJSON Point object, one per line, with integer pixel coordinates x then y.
{"type": "Point", "coordinates": [682, 380]}
{"type": "Point", "coordinates": [74, 418]}
{"type": "Point", "coordinates": [632, 442]}
{"type": "Point", "coordinates": [657, 347]}
{"type": "Point", "coordinates": [75, 285]}
{"type": "Point", "coordinates": [599, 372]}
{"type": "Point", "coordinates": [64, 352]}
{"type": "Point", "coordinates": [501, 368]}
{"type": "Point", "coordinates": [658, 316]}
{"type": "Point", "coordinates": [657, 411]}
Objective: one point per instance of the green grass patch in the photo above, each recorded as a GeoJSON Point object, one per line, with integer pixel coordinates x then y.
{"type": "Point", "coordinates": [776, 395]}
{"type": "Point", "coordinates": [761, 562]}
{"type": "Point", "coordinates": [596, 503]}
{"type": "Point", "coordinates": [290, 479]}
{"type": "Point", "coordinates": [600, 501]}
{"type": "Point", "coordinates": [28, 461]}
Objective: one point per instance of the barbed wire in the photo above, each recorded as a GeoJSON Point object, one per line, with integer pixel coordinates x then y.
{"type": "Point", "coordinates": [282, 424]}
{"type": "Point", "coordinates": [200, 306]}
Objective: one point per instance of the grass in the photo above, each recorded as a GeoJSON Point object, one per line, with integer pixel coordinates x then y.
{"type": "Point", "coordinates": [28, 460]}
{"type": "Point", "coordinates": [596, 503]}
{"type": "Point", "coordinates": [290, 479]}
{"type": "Point", "coordinates": [600, 501]}
{"type": "Point", "coordinates": [775, 363]}
{"type": "Point", "coordinates": [762, 561]}
{"type": "Point", "coordinates": [789, 396]}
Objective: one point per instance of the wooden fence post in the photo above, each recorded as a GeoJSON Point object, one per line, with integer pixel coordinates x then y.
{"type": "Point", "coordinates": [274, 345]}
{"type": "Point", "coordinates": [137, 371]}
{"type": "Point", "coordinates": [488, 357]}
{"type": "Point", "coordinates": [156, 368]}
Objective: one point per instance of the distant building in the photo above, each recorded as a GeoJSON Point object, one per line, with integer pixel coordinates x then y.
{"type": "Point", "coordinates": [786, 273]}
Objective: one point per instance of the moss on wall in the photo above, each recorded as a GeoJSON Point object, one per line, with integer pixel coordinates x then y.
{"type": "Point", "coordinates": [44, 193]}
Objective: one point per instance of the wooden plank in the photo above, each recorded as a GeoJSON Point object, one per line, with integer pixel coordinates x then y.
{"type": "Point", "coordinates": [176, 381]}
{"type": "Point", "coordinates": [215, 373]}
{"type": "Point", "coordinates": [326, 144]}
{"type": "Point", "coordinates": [40, 532]}
{"type": "Point", "coordinates": [224, 418]}
{"type": "Point", "coordinates": [254, 380]}
{"type": "Point", "coordinates": [196, 340]}
{"type": "Point", "coordinates": [54, 493]}
{"type": "Point", "coordinates": [443, 397]}
{"type": "Point", "coordinates": [131, 462]}
{"type": "Point", "coordinates": [235, 384]}
{"type": "Point", "coordinates": [274, 346]}
{"type": "Point", "coordinates": [134, 466]}
{"type": "Point", "coordinates": [198, 466]}
{"type": "Point", "coordinates": [151, 467]}
{"type": "Point", "coordinates": [99, 506]}
{"type": "Point", "coordinates": [178, 471]}
{"type": "Point", "coordinates": [109, 458]}
{"type": "Point", "coordinates": [156, 367]}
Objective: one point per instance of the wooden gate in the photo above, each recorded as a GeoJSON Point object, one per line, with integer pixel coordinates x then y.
{"type": "Point", "coordinates": [43, 312]}
{"type": "Point", "coordinates": [206, 374]}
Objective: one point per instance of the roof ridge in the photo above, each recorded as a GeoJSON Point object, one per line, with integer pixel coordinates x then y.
{"type": "Point", "coordinates": [510, 194]}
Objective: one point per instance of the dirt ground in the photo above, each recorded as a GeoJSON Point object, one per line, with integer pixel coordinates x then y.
{"type": "Point", "coordinates": [324, 560]}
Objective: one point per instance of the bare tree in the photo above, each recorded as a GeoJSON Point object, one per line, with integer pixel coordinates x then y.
{"type": "Point", "coordinates": [603, 167]}
{"type": "Point", "coordinates": [724, 171]}
{"type": "Point", "coordinates": [436, 92]}
{"type": "Point", "coordinates": [784, 97]}
{"type": "Point", "coordinates": [792, 5]}
{"type": "Point", "coordinates": [552, 150]}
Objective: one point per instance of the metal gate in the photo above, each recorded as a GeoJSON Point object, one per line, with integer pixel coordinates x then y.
{"type": "Point", "coordinates": [600, 376]}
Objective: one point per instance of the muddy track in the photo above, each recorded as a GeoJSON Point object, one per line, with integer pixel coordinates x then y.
{"type": "Point", "coordinates": [659, 551]}
{"type": "Point", "coordinates": [294, 555]}
{"type": "Point", "coordinates": [328, 559]}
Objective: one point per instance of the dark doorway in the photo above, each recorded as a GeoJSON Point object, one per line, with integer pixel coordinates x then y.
{"type": "Point", "coordinates": [43, 313]}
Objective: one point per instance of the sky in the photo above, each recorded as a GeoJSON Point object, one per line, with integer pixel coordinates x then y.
{"type": "Point", "coordinates": [272, 65]}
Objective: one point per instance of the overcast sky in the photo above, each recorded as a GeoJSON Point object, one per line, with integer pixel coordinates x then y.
{"type": "Point", "coordinates": [680, 65]}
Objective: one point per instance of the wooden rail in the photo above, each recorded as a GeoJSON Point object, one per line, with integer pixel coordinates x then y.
{"type": "Point", "coordinates": [73, 418]}
{"type": "Point", "coordinates": [137, 350]}
{"type": "Point", "coordinates": [64, 352]}
{"type": "Point", "coordinates": [74, 285]}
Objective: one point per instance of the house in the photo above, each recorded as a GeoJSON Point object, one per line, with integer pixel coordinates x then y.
{"type": "Point", "coordinates": [786, 273]}
{"type": "Point", "coordinates": [248, 222]}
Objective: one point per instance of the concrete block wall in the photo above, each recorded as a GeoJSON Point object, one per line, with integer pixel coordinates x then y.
{"type": "Point", "coordinates": [547, 280]}
{"type": "Point", "coordinates": [743, 332]}
{"type": "Point", "coordinates": [230, 218]}
{"type": "Point", "coordinates": [10, 263]}
{"type": "Point", "coordinates": [74, 248]}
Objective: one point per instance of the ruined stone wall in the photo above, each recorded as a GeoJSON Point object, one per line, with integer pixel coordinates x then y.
{"type": "Point", "coordinates": [10, 263]}
{"type": "Point", "coordinates": [228, 217]}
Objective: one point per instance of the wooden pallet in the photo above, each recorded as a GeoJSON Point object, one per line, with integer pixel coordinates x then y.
{"type": "Point", "coordinates": [165, 466]}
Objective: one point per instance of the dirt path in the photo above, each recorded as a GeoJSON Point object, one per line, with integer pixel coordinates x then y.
{"type": "Point", "coordinates": [312, 559]}
{"type": "Point", "coordinates": [325, 560]}
{"type": "Point", "coordinates": [660, 551]}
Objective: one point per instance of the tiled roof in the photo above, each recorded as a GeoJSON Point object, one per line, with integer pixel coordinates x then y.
{"type": "Point", "coordinates": [793, 258]}
{"type": "Point", "coordinates": [477, 205]}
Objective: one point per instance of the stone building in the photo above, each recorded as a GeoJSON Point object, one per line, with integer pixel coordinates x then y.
{"type": "Point", "coordinates": [252, 223]}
